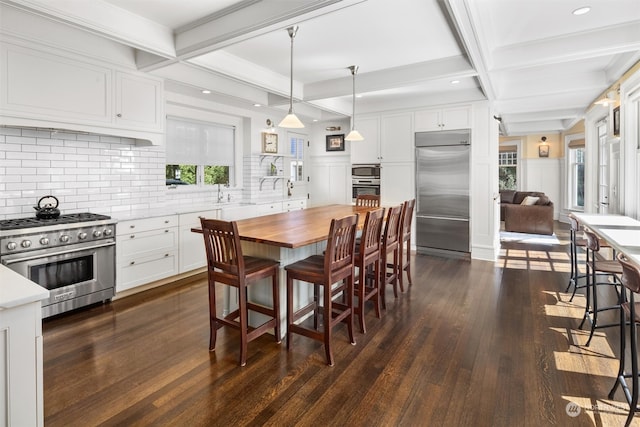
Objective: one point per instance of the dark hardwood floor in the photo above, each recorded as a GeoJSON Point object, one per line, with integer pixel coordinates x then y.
{"type": "Point", "coordinates": [472, 343]}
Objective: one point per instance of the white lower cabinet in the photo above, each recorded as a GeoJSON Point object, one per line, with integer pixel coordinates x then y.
{"type": "Point", "coordinates": [269, 208]}
{"type": "Point", "coordinates": [294, 205]}
{"type": "Point", "coordinates": [191, 251]}
{"type": "Point", "coordinates": [146, 250]}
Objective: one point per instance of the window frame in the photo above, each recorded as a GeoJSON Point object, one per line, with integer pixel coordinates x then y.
{"type": "Point", "coordinates": [204, 114]}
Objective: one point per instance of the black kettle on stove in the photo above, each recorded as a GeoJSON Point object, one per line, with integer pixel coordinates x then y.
{"type": "Point", "coordinates": [47, 208]}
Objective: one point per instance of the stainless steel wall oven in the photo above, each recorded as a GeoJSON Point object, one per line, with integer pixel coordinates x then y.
{"type": "Point", "coordinates": [72, 256]}
{"type": "Point", "coordinates": [365, 179]}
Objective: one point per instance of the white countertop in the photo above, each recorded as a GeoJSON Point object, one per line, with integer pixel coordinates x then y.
{"type": "Point", "coordinates": [15, 290]}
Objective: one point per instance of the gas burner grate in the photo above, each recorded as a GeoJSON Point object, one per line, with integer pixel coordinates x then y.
{"type": "Point", "coordinates": [18, 223]}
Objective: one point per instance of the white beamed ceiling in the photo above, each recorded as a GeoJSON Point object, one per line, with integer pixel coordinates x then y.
{"type": "Point", "coordinates": [540, 66]}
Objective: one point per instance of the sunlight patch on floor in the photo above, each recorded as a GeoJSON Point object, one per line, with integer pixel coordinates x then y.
{"type": "Point", "coordinates": [540, 260]}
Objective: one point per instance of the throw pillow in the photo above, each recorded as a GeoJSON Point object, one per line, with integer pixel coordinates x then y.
{"type": "Point", "coordinates": [529, 201]}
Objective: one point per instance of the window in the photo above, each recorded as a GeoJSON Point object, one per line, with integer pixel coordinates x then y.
{"type": "Point", "coordinates": [507, 168]}
{"type": "Point", "coordinates": [199, 153]}
{"type": "Point", "coordinates": [576, 178]}
{"type": "Point", "coordinates": [296, 149]}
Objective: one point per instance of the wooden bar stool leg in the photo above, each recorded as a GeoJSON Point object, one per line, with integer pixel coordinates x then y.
{"type": "Point", "coordinates": [213, 325]}
{"type": "Point", "coordinates": [327, 325]}
{"type": "Point", "coordinates": [289, 309]}
{"type": "Point", "coordinates": [244, 324]}
{"type": "Point", "coordinates": [276, 304]}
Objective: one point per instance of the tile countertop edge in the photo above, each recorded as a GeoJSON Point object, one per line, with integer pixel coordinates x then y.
{"type": "Point", "coordinates": [177, 210]}
{"type": "Point", "coordinates": [16, 290]}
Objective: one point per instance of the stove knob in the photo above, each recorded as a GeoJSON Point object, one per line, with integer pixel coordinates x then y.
{"type": "Point", "coordinates": [12, 246]}
{"type": "Point", "coordinates": [44, 241]}
{"type": "Point", "coordinates": [64, 238]}
{"type": "Point", "coordinates": [108, 232]}
{"type": "Point", "coordinates": [82, 236]}
{"type": "Point", "coordinates": [26, 243]}
{"type": "Point", "coordinates": [97, 233]}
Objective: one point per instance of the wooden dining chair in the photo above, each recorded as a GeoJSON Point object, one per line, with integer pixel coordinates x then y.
{"type": "Point", "coordinates": [227, 265]}
{"type": "Point", "coordinates": [610, 270]}
{"type": "Point", "coordinates": [390, 249]}
{"type": "Point", "coordinates": [630, 315]}
{"type": "Point", "coordinates": [334, 272]}
{"type": "Point", "coordinates": [368, 200]}
{"type": "Point", "coordinates": [367, 262]}
{"type": "Point", "coordinates": [404, 249]}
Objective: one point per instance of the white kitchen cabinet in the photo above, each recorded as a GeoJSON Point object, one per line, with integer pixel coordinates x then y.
{"type": "Point", "coordinates": [21, 371]}
{"type": "Point", "coordinates": [397, 138]}
{"type": "Point", "coordinates": [146, 250]}
{"type": "Point", "coordinates": [52, 87]}
{"type": "Point", "coordinates": [76, 94]}
{"type": "Point", "coordinates": [294, 205]}
{"type": "Point", "coordinates": [236, 213]}
{"type": "Point", "coordinates": [368, 150]}
{"type": "Point", "coordinates": [443, 119]}
{"type": "Point", "coordinates": [191, 251]}
{"type": "Point", "coordinates": [330, 184]}
{"type": "Point", "coordinates": [397, 183]}
{"type": "Point", "coordinates": [269, 208]}
{"type": "Point", "coordinates": [139, 102]}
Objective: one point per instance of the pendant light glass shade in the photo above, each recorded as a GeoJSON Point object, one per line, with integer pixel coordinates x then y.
{"type": "Point", "coordinates": [291, 120]}
{"type": "Point", "coordinates": [354, 135]}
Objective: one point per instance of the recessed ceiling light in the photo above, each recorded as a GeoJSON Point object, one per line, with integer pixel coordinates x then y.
{"type": "Point", "coordinates": [206, 91]}
{"type": "Point", "coordinates": [257, 105]}
{"type": "Point", "coordinates": [315, 120]}
{"type": "Point", "coordinates": [359, 95]}
{"type": "Point", "coordinates": [581, 10]}
{"type": "Point", "coordinates": [455, 82]}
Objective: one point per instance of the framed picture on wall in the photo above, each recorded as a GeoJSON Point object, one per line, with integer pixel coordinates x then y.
{"type": "Point", "coordinates": [335, 142]}
{"type": "Point", "coordinates": [543, 150]}
{"type": "Point", "coordinates": [616, 121]}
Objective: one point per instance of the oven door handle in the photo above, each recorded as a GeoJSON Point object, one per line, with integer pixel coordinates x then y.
{"type": "Point", "coordinates": [13, 261]}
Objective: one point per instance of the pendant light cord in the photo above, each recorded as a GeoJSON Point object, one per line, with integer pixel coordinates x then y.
{"type": "Point", "coordinates": [292, 33]}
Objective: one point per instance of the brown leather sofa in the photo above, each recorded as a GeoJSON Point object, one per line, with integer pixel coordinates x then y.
{"type": "Point", "coordinates": [536, 219]}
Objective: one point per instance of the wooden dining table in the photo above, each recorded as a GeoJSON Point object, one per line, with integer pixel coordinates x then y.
{"type": "Point", "coordinates": [286, 237]}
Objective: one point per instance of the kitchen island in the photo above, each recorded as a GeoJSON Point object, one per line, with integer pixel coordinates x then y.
{"type": "Point", "coordinates": [286, 237]}
{"type": "Point", "coordinates": [21, 389]}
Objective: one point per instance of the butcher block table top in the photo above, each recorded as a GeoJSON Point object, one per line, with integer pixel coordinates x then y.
{"type": "Point", "coordinates": [296, 228]}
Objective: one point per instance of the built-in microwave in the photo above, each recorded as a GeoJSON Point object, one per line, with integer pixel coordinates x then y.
{"type": "Point", "coordinates": [365, 171]}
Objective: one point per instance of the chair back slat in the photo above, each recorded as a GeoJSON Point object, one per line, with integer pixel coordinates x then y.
{"type": "Point", "coordinates": [392, 226]}
{"type": "Point", "coordinates": [222, 245]}
{"type": "Point", "coordinates": [407, 217]}
{"type": "Point", "coordinates": [630, 274]}
{"type": "Point", "coordinates": [370, 239]}
{"type": "Point", "coordinates": [368, 200]}
{"type": "Point", "coordinates": [575, 225]}
{"type": "Point", "coordinates": [341, 243]}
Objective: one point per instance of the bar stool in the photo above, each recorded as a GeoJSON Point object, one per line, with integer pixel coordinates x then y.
{"type": "Point", "coordinates": [368, 200]}
{"type": "Point", "coordinates": [630, 310]}
{"type": "Point", "coordinates": [390, 245]}
{"type": "Point", "coordinates": [404, 254]}
{"type": "Point", "coordinates": [575, 243]}
{"type": "Point", "coordinates": [367, 261]}
{"type": "Point", "coordinates": [335, 273]}
{"type": "Point", "coordinates": [595, 268]}
{"type": "Point", "coordinates": [227, 265]}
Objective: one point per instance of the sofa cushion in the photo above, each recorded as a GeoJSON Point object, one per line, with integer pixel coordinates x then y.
{"type": "Point", "coordinates": [530, 201]}
{"type": "Point", "coordinates": [543, 200]}
{"type": "Point", "coordinates": [520, 195]}
{"type": "Point", "coordinates": [506, 196]}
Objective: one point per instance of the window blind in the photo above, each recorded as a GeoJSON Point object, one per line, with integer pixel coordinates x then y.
{"type": "Point", "coordinates": [190, 142]}
{"type": "Point", "coordinates": [576, 143]}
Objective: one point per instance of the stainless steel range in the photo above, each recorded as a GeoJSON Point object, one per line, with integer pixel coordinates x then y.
{"type": "Point", "coordinates": [73, 256]}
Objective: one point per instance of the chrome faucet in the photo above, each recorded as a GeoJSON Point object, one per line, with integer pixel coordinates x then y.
{"type": "Point", "coordinates": [220, 194]}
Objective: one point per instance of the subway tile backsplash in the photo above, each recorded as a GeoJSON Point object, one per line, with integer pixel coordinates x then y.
{"type": "Point", "coordinates": [97, 173]}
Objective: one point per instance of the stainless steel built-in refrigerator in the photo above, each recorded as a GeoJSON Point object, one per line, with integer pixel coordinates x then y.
{"type": "Point", "coordinates": [442, 189]}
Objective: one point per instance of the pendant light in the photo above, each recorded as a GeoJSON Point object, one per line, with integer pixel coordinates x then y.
{"type": "Point", "coordinates": [290, 120]}
{"type": "Point", "coordinates": [354, 135]}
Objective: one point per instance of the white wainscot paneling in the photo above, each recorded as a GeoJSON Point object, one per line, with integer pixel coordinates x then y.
{"type": "Point", "coordinates": [544, 175]}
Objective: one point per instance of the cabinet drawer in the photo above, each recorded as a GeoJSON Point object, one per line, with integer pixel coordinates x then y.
{"type": "Point", "coordinates": [146, 269]}
{"type": "Point", "coordinates": [139, 244]}
{"type": "Point", "coordinates": [269, 208]}
{"type": "Point", "coordinates": [192, 219]}
{"type": "Point", "coordinates": [295, 205]}
{"type": "Point", "coordinates": [146, 224]}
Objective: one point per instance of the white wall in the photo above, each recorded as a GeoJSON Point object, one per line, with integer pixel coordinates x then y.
{"type": "Point", "coordinates": [545, 175]}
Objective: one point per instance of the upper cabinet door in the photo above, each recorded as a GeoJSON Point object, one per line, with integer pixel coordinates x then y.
{"type": "Point", "coordinates": [443, 119]}
{"type": "Point", "coordinates": [51, 87]}
{"type": "Point", "coordinates": [138, 102]}
{"type": "Point", "coordinates": [397, 138]}
{"type": "Point", "coordinates": [367, 151]}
